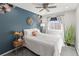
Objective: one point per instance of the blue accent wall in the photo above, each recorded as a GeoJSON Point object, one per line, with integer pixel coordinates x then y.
{"type": "Point", "coordinates": [14, 21]}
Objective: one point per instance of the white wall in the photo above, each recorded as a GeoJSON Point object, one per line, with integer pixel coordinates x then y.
{"type": "Point", "coordinates": [77, 30]}
{"type": "Point", "coordinates": [71, 17]}
{"type": "Point", "coordinates": [68, 17]}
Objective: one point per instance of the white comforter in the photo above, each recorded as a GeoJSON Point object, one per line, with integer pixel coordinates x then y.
{"type": "Point", "coordinates": [44, 44]}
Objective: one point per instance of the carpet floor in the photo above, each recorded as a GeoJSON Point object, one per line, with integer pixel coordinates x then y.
{"type": "Point", "coordinates": [66, 51]}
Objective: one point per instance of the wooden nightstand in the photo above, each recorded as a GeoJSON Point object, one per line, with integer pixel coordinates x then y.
{"type": "Point", "coordinates": [17, 44]}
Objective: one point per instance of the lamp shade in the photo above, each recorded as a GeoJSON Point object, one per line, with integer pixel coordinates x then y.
{"type": "Point", "coordinates": [16, 33]}
{"type": "Point", "coordinates": [20, 33]}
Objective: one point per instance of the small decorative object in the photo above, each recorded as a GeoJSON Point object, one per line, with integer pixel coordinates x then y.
{"type": "Point", "coordinates": [18, 35]}
{"type": "Point", "coordinates": [29, 20]}
{"type": "Point", "coordinates": [20, 39]}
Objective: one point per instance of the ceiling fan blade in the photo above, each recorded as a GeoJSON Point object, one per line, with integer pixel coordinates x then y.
{"type": "Point", "coordinates": [47, 10]}
{"type": "Point", "coordinates": [10, 5]}
{"type": "Point", "coordinates": [52, 7]}
{"type": "Point", "coordinates": [39, 7]}
{"type": "Point", "coordinates": [41, 10]}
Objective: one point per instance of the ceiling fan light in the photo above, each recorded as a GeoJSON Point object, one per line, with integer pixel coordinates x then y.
{"type": "Point", "coordinates": [8, 9]}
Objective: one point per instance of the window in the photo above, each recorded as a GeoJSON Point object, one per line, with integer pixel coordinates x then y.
{"type": "Point", "coordinates": [54, 23]}
{"type": "Point", "coordinates": [53, 19]}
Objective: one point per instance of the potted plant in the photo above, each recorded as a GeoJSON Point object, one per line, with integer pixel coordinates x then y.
{"type": "Point", "coordinates": [69, 36]}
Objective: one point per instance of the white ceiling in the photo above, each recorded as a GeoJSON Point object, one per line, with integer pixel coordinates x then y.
{"type": "Point", "coordinates": [61, 7]}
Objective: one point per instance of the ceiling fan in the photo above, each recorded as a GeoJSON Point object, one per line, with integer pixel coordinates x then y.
{"type": "Point", "coordinates": [5, 7]}
{"type": "Point", "coordinates": [45, 6]}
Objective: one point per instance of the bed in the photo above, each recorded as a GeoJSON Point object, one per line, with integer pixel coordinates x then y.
{"type": "Point", "coordinates": [43, 44]}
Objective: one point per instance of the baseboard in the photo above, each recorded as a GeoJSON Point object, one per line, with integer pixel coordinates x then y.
{"type": "Point", "coordinates": [8, 51]}
{"type": "Point", "coordinates": [77, 51]}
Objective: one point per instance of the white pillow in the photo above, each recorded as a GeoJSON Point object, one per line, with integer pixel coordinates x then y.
{"type": "Point", "coordinates": [28, 32]}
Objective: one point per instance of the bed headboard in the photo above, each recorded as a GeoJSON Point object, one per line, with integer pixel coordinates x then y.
{"type": "Point", "coordinates": [28, 32]}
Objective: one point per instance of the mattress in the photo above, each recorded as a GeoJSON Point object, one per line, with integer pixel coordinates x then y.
{"type": "Point", "coordinates": [44, 44]}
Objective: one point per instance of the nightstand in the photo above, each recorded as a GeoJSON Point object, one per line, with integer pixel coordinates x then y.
{"type": "Point", "coordinates": [17, 44]}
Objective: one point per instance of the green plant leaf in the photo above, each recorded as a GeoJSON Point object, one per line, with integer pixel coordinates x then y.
{"type": "Point", "coordinates": [69, 35]}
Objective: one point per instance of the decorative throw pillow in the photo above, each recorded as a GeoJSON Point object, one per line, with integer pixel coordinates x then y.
{"type": "Point", "coordinates": [34, 33]}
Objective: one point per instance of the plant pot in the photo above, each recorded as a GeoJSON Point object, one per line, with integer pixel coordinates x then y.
{"type": "Point", "coordinates": [68, 44]}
